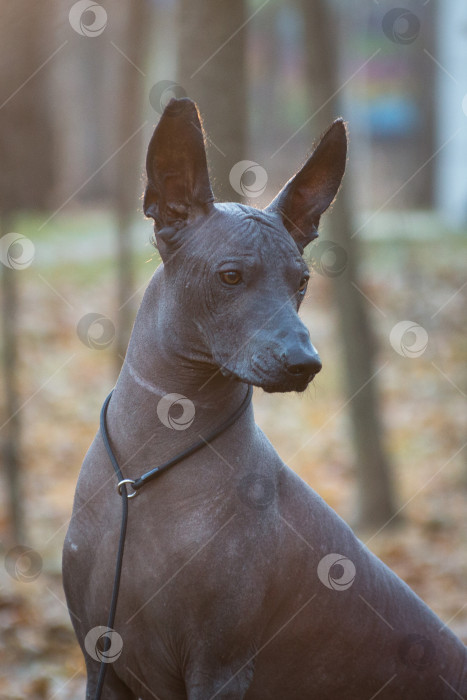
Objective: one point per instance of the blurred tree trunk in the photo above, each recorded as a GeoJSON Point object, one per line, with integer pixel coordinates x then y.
{"type": "Point", "coordinates": [26, 176]}
{"type": "Point", "coordinates": [375, 484]}
{"type": "Point", "coordinates": [26, 132]}
{"type": "Point", "coordinates": [212, 46]}
{"type": "Point", "coordinates": [11, 418]}
{"type": "Point", "coordinates": [134, 20]}
{"type": "Point", "coordinates": [425, 144]}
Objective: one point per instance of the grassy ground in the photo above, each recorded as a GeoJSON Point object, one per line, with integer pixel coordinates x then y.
{"type": "Point", "coordinates": [63, 383]}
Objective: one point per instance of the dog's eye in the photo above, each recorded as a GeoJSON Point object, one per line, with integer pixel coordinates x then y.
{"type": "Point", "coordinates": [303, 283]}
{"type": "Point", "coordinates": [231, 277]}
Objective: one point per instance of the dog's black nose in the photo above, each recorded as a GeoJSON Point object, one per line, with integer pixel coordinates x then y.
{"type": "Point", "coordinates": [302, 363]}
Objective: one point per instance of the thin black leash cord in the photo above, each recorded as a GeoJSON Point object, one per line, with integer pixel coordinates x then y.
{"type": "Point", "coordinates": [137, 484]}
{"type": "Point", "coordinates": [121, 542]}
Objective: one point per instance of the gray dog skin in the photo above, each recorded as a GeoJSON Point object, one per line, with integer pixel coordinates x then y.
{"type": "Point", "coordinates": [229, 587]}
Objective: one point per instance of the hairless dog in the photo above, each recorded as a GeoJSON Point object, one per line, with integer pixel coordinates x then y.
{"type": "Point", "coordinates": [238, 580]}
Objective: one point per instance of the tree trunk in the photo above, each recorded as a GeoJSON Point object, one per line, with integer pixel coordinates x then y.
{"type": "Point", "coordinates": [212, 72]}
{"type": "Point", "coordinates": [11, 419]}
{"type": "Point", "coordinates": [374, 474]}
{"type": "Point", "coordinates": [26, 134]}
{"type": "Point", "coordinates": [133, 40]}
{"type": "Point", "coordinates": [27, 52]}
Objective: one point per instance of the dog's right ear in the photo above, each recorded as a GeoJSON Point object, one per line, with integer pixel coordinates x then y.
{"type": "Point", "coordinates": [312, 190]}
{"type": "Point", "coordinates": [178, 190]}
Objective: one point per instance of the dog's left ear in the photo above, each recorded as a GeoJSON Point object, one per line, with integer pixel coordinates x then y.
{"type": "Point", "coordinates": [311, 191]}
{"type": "Point", "coordinates": [178, 190]}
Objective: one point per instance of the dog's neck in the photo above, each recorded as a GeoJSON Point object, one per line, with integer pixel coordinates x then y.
{"type": "Point", "coordinates": [159, 362]}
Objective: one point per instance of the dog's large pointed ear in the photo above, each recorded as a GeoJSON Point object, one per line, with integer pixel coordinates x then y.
{"type": "Point", "coordinates": [311, 191]}
{"type": "Point", "coordinates": [178, 188]}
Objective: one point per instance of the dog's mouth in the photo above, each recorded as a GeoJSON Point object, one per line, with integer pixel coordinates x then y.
{"type": "Point", "coordinates": [271, 384]}
{"type": "Point", "coordinates": [283, 387]}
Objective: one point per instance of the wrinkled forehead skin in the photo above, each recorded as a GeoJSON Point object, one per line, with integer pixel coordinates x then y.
{"type": "Point", "coordinates": [236, 231]}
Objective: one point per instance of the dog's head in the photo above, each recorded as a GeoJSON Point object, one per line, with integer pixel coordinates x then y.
{"type": "Point", "coordinates": [237, 271]}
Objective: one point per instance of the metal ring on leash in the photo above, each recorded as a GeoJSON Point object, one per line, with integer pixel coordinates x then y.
{"type": "Point", "coordinates": [126, 481]}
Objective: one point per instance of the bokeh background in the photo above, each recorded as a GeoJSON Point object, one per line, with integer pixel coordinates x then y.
{"type": "Point", "coordinates": [381, 432]}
